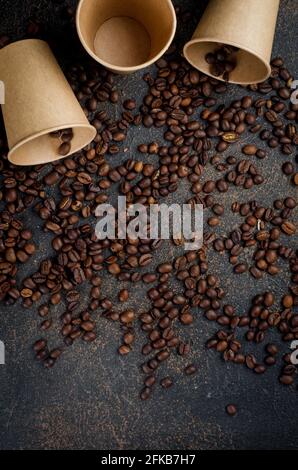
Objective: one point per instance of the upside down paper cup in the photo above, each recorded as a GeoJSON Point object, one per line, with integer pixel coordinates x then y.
{"type": "Point", "coordinates": [38, 100]}
{"type": "Point", "coordinates": [246, 24]}
{"type": "Point", "coordinates": [126, 35]}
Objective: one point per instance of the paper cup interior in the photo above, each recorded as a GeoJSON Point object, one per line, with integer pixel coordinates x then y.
{"type": "Point", "coordinates": [126, 35]}
{"type": "Point", "coordinates": [41, 148]}
{"type": "Point", "coordinates": [250, 67]}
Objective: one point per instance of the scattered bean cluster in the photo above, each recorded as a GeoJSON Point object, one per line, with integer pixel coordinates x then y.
{"type": "Point", "coordinates": [184, 104]}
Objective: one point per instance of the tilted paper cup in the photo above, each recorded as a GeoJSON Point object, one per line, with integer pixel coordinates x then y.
{"type": "Point", "coordinates": [246, 24]}
{"type": "Point", "coordinates": [38, 100]}
{"type": "Point", "coordinates": [126, 35]}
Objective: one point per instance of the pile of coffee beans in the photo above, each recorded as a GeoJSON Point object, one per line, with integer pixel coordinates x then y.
{"type": "Point", "coordinates": [222, 61]}
{"type": "Point", "coordinates": [198, 132]}
{"type": "Point", "coordinates": [261, 230]}
{"type": "Point", "coordinates": [16, 247]}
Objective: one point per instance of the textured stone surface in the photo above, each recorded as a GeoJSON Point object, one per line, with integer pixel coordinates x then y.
{"type": "Point", "coordinates": [90, 399]}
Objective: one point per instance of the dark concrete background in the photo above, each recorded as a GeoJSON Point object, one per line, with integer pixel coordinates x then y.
{"type": "Point", "coordinates": [90, 399]}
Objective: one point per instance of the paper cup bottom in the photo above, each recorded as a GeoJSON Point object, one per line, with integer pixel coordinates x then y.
{"type": "Point", "coordinates": [41, 148]}
{"type": "Point", "coordinates": [122, 42]}
{"type": "Point", "coordinates": [126, 35]}
{"type": "Point", "coordinates": [250, 68]}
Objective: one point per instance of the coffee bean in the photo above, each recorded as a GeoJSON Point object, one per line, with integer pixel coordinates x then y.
{"type": "Point", "coordinates": [270, 360]}
{"type": "Point", "coordinates": [166, 382]}
{"type": "Point", "coordinates": [55, 299]}
{"type": "Point", "coordinates": [87, 325]}
{"type": "Point", "coordinates": [286, 379]}
{"type": "Point", "coordinates": [128, 338]}
{"type": "Point", "coordinates": [124, 350]}
{"type": "Point", "coordinates": [272, 349]}
{"type": "Point", "coordinates": [186, 318]}
{"type": "Point", "coordinates": [288, 168]}
{"type": "Point", "coordinates": [150, 381]}
{"type": "Point", "coordinates": [250, 361]}
{"type": "Point", "coordinates": [250, 149]}
{"type": "Point", "coordinates": [52, 178]}
{"type": "Point", "coordinates": [64, 149]}
{"type": "Point", "coordinates": [231, 410]}
{"type": "Point", "coordinates": [287, 301]}
{"type": "Point", "coordinates": [123, 295]}
{"type": "Point", "coordinates": [165, 268]}
{"type": "Point", "coordinates": [127, 316]}
{"type": "Point", "coordinates": [114, 268]}
{"type": "Point", "coordinates": [288, 228]}
{"type": "Point", "coordinates": [43, 310]}
{"type": "Point", "coordinates": [49, 363]}
{"type": "Point", "coordinates": [39, 345]}
{"type": "Point", "coordinates": [145, 393]}
{"type": "Point", "coordinates": [129, 104]}
{"type": "Point", "coordinates": [218, 209]}
{"type": "Point", "coordinates": [55, 353]}
{"type": "Point", "coordinates": [89, 336]}
{"type": "Point", "coordinates": [45, 325]}
{"type": "Point", "coordinates": [191, 369]}
{"type": "Point", "coordinates": [240, 268]}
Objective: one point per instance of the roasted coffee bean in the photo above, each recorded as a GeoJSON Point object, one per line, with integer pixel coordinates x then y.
{"type": "Point", "coordinates": [49, 362]}
{"type": "Point", "coordinates": [166, 382]}
{"type": "Point", "coordinates": [64, 148]}
{"type": "Point", "coordinates": [124, 350]}
{"type": "Point", "coordinates": [240, 268]}
{"type": "Point", "coordinates": [89, 336]}
{"type": "Point", "coordinates": [39, 345]}
{"type": "Point", "coordinates": [145, 393]}
{"type": "Point", "coordinates": [123, 295]}
{"type": "Point", "coordinates": [250, 149]}
{"type": "Point", "coordinates": [128, 338]}
{"type": "Point", "coordinates": [272, 349]}
{"type": "Point", "coordinates": [55, 353]}
{"type": "Point", "coordinates": [129, 104]}
{"type": "Point", "coordinates": [186, 318]}
{"type": "Point", "coordinates": [231, 410]}
{"type": "Point", "coordinates": [150, 381]}
{"type": "Point", "coordinates": [45, 325]}
{"type": "Point", "coordinates": [286, 379]}
{"type": "Point", "coordinates": [127, 316]}
{"type": "Point", "coordinates": [165, 268]}
{"type": "Point", "coordinates": [43, 310]}
{"type": "Point", "coordinates": [183, 349]}
{"type": "Point", "coordinates": [191, 369]}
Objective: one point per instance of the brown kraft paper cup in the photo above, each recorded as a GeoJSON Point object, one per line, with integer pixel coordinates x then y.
{"type": "Point", "coordinates": [38, 100]}
{"type": "Point", "coordinates": [126, 35]}
{"type": "Point", "coordinates": [246, 24]}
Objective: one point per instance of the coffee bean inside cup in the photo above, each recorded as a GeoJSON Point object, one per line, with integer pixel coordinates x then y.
{"type": "Point", "coordinates": [222, 61]}
{"type": "Point", "coordinates": [64, 138]}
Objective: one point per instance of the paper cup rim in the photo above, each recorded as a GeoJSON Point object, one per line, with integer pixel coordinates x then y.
{"type": "Point", "coordinates": [16, 43]}
{"type": "Point", "coordinates": [47, 131]}
{"type": "Point", "coordinates": [116, 68]}
{"type": "Point", "coordinates": [229, 43]}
